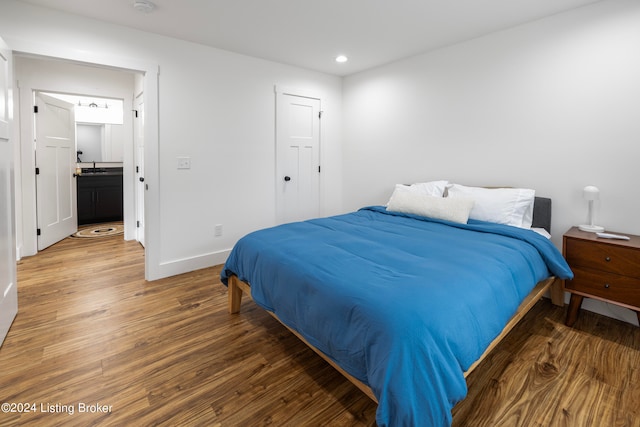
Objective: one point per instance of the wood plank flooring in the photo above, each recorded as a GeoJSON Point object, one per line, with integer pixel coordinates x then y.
{"type": "Point", "coordinates": [92, 331]}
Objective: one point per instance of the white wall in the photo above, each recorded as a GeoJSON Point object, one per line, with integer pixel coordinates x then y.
{"type": "Point", "coordinates": [216, 107]}
{"type": "Point", "coordinates": [544, 105]}
{"type": "Point", "coordinates": [553, 105]}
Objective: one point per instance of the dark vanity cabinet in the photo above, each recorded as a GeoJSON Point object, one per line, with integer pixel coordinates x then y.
{"type": "Point", "coordinates": [99, 196]}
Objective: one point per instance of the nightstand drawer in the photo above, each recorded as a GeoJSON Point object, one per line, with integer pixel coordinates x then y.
{"type": "Point", "coordinates": [605, 285]}
{"type": "Point", "coordinates": [605, 257]}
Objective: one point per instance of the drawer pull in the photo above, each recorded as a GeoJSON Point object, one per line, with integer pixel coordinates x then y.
{"type": "Point", "coordinates": [606, 285]}
{"type": "Point", "coordinates": [608, 259]}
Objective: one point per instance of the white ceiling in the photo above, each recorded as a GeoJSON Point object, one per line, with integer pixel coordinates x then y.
{"type": "Point", "coordinates": [311, 34]}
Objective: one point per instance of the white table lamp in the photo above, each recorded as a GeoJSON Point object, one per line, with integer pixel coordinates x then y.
{"type": "Point", "coordinates": [591, 193]}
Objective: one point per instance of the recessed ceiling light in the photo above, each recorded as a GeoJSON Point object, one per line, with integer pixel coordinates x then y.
{"type": "Point", "coordinates": [145, 6]}
{"type": "Point", "coordinates": [341, 58]}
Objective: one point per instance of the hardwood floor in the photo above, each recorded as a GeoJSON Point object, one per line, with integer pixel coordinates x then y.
{"type": "Point", "coordinates": [92, 331]}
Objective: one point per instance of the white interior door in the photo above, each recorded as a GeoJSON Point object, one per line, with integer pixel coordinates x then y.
{"type": "Point", "coordinates": [55, 163]}
{"type": "Point", "coordinates": [8, 280]}
{"type": "Point", "coordinates": [297, 157]}
{"type": "Point", "coordinates": [138, 141]}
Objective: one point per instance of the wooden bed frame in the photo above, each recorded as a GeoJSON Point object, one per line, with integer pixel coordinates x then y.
{"type": "Point", "coordinates": [541, 219]}
{"type": "Point", "coordinates": [237, 287]}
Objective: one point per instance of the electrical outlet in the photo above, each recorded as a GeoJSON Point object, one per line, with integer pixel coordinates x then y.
{"type": "Point", "coordinates": [184, 162]}
{"type": "Point", "coordinates": [217, 230]}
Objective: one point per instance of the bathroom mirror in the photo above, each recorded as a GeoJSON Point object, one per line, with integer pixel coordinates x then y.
{"type": "Point", "coordinates": [99, 142]}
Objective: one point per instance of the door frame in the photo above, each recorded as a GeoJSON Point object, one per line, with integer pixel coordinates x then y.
{"type": "Point", "coordinates": [151, 73]}
{"type": "Point", "coordinates": [283, 90]}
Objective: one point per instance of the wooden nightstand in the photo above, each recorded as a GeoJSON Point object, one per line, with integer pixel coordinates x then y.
{"type": "Point", "coordinates": [605, 269]}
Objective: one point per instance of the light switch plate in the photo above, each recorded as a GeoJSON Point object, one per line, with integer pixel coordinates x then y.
{"type": "Point", "coordinates": [184, 162]}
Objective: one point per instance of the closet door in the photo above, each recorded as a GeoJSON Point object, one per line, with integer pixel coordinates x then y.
{"type": "Point", "coordinates": [297, 157]}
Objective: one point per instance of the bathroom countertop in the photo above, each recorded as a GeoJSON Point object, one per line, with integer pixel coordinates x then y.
{"type": "Point", "coordinates": [88, 172]}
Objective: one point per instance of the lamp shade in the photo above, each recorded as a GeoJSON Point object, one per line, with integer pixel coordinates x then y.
{"type": "Point", "coordinates": [591, 193]}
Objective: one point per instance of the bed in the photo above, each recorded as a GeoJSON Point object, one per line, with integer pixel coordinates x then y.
{"type": "Point", "coordinates": [404, 305]}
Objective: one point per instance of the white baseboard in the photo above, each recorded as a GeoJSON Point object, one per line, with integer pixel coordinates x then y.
{"type": "Point", "coordinates": [185, 265]}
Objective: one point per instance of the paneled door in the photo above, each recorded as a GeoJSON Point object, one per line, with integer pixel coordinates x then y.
{"type": "Point", "coordinates": [8, 280]}
{"type": "Point", "coordinates": [297, 156]}
{"type": "Point", "coordinates": [138, 141]}
{"type": "Point", "coordinates": [56, 163]}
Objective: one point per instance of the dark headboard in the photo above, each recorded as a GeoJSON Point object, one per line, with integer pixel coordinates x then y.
{"type": "Point", "coordinates": [542, 213]}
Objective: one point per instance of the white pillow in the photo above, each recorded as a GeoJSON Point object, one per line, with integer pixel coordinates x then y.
{"type": "Point", "coordinates": [431, 188]}
{"type": "Point", "coordinates": [510, 206]}
{"type": "Point", "coordinates": [409, 201]}
{"type": "Point", "coordinates": [542, 232]}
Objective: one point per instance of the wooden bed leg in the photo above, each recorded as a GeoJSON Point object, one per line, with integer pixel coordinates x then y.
{"type": "Point", "coordinates": [235, 295]}
{"type": "Point", "coordinates": [557, 293]}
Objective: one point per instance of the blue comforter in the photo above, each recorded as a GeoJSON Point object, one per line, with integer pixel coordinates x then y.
{"type": "Point", "coordinates": [403, 303]}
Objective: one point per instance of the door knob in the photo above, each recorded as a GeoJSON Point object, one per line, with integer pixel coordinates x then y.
{"type": "Point", "coordinates": [287, 178]}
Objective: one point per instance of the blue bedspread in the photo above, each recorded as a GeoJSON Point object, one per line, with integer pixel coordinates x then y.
{"type": "Point", "coordinates": [403, 303]}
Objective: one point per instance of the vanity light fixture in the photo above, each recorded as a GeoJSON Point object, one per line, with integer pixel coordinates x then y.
{"type": "Point", "coordinates": [341, 59]}
{"type": "Point", "coordinates": [590, 194]}
{"type": "Point", "coordinates": [144, 6]}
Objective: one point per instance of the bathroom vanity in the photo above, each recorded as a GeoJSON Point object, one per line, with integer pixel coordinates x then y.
{"type": "Point", "coordinates": [99, 195]}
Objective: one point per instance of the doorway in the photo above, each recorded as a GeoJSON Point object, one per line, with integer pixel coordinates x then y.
{"type": "Point", "coordinates": [79, 163]}
{"type": "Point", "coordinates": [72, 78]}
